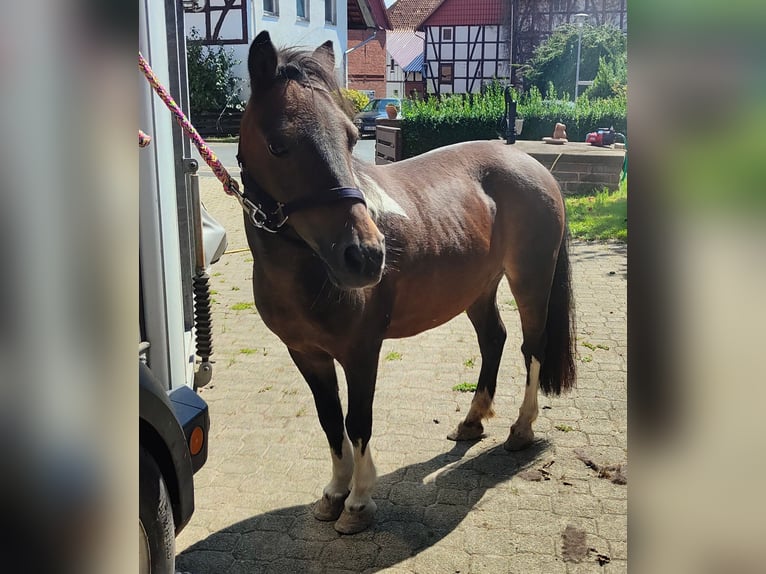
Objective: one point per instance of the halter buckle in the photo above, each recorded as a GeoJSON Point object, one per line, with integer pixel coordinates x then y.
{"type": "Point", "coordinates": [260, 219]}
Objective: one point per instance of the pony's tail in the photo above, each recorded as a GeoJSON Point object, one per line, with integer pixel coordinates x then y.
{"type": "Point", "coordinates": [557, 372]}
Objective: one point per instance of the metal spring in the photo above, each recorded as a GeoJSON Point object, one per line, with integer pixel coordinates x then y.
{"type": "Point", "coordinates": [202, 315]}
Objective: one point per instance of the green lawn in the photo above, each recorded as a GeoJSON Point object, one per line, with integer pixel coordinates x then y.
{"type": "Point", "coordinates": [601, 216]}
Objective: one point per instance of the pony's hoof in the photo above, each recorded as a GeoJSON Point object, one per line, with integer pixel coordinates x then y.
{"type": "Point", "coordinates": [329, 507]}
{"type": "Point", "coordinates": [519, 440]}
{"type": "Point", "coordinates": [351, 522]}
{"type": "Point", "coordinates": [467, 432]}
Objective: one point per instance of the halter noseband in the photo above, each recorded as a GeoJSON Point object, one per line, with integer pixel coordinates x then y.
{"type": "Point", "coordinates": [268, 214]}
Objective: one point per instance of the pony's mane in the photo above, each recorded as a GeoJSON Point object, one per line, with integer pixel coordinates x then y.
{"type": "Point", "coordinates": [302, 66]}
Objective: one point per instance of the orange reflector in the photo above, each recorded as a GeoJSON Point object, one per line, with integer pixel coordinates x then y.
{"type": "Point", "coordinates": [196, 440]}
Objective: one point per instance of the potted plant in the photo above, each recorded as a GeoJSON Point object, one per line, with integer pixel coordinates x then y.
{"type": "Point", "coordinates": [392, 111]}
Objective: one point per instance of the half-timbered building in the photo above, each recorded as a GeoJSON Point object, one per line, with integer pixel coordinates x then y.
{"type": "Point", "coordinates": [471, 42]}
{"type": "Point", "coordinates": [466, 46]}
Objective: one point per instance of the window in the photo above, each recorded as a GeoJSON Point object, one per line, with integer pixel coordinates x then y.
{"type": "Point", "coordinates": [445, 73]}
{"type": "Point", "coordinates": [330, 11]}
{"type": "Point", "coordinates": [302, 9]}
{"type": "Point", "coordinates": [271, 7]}
{"type": "Point", "coordinates": [392, 65]}
{"type": "Point", "coordinates": [446, 34]}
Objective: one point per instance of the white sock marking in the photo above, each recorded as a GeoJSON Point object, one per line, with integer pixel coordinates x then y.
{"type": "Point", "coordinates": [342, 470]}
{"type": "Point", "coordinates": [528, 411]}
{"type": "Point", "coordinates": [364, 478]}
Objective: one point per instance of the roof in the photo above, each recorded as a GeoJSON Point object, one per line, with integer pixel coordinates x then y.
{"type": "Point", "coordinates": [461, 13]}
{"type": "Point", "coordinates": [407, 14]}
{"type": "Point", "coordinates": [404, 46]}
{"type": "Point", "coordinates": [416, 65]}
{"type": "Point", "coordinates": [362, 14]}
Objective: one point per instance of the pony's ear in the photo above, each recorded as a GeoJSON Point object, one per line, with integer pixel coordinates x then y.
{"type": "Point", "coordinates": [326, 54]}
{"type": "Point", "coordinates": [262, 62]}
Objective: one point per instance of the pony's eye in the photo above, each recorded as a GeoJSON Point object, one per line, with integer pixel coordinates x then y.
{"type": "Point", "coordinates": [277, 150]}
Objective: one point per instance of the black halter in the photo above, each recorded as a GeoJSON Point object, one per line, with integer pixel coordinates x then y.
{"type": "Point", "coordinates": [268, 214]}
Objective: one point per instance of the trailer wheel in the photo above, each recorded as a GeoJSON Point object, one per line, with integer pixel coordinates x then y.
{"type": "Point", "coordinates": [157, 550]}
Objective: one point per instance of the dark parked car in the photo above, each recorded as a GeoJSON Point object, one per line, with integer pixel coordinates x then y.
{"type": "Point", "coordinates": [365, 120]}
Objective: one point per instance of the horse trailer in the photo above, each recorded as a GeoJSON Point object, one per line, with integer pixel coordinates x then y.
{"type": "Point", "coordinates": [178, 241]}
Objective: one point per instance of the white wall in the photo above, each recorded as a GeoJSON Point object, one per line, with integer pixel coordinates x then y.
{"type": "Point", "coordinates": [285, 30]}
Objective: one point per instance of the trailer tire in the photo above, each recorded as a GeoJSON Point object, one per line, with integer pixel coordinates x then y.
{"type": "Point", "coordinates": [156, 527]}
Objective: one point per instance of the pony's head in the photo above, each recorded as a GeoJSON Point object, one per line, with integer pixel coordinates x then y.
{"type": "Point", "coordinates": [295, 144]}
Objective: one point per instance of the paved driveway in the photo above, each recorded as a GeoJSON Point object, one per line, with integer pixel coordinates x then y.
{"type": "Point", "coordinates": [443, 508]}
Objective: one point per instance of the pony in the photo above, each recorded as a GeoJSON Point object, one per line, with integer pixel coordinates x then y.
{"type": "Point", "coordinates": [347, 254]}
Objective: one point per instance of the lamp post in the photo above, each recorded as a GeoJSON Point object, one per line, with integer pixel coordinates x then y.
{"type": "Point", "coordinates": [579, 19]}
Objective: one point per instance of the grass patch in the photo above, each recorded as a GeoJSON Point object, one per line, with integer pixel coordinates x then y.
{"type": "Point", "coordinates": [242, 306]}
{"type": "Point", "coordinates": [235, 288]}
{"type": "Point", "coordinates": [465, 387]}
{"type": "Point", "coordinates": [470, 363]}
{"type": "Point", "coordinates": [248, 351]}
{"type": "Point", "coordinates": [586, 359]}
{"type": "Point", "coordinates": [394, 356]}
{"type": "Point", "coordinates": [301, 412]}
{"type": "Point", "coordinates": [593, 347]}
{"type": "Point", "coordinates": [564, 428]}
{"type": "Point", "coordinates": [264, 389]}
{"type": "Point", "coordinates": [601, 216]}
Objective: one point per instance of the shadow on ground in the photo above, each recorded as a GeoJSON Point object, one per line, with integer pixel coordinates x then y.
{"type": "Point", "coordinates": [418, 505]}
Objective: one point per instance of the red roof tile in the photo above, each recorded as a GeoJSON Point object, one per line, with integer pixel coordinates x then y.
{"type": "Point", "coordinates": [464, 13]}
{"type": "Point", "coordinates": [407, 14]}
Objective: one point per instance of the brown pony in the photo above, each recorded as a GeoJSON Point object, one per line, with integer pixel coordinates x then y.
{"type": "Point", "coordinates": [347, 254]}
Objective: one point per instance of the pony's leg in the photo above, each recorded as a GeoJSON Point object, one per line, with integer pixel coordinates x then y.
{"type": "Point", "coordinates": [319, 372]}
{"type": "Point", "coordinates": [490, 330]}
{"type": "Point", "coordinates": [361, 371]}
{"type": "Point", "coordinates": [531, 296]}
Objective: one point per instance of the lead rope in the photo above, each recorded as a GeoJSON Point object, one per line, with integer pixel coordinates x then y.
{"type": "Point", "coordinates": [230, 185]}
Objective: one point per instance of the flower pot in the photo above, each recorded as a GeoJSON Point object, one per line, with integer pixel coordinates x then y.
{"type": "Point", "coordinates": [391, 111]}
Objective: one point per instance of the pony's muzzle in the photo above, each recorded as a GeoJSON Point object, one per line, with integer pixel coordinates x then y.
{"type": "Point", "coordinates": [365, 261]}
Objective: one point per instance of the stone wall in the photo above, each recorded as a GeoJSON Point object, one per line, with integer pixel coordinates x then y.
{"type": "Point", "coordinates": [579, 168]}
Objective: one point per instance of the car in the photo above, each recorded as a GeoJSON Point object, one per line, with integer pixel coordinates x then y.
{"type": "Point", "coordinates": [365, 120]}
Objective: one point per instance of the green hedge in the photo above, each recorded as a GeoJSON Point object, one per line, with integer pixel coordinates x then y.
{"type": "Point", "coordinates": [428, 124]}
{"type": "Point", "coordinates": [432, 123]}
{"type": "Point", "coordinates": [540, 115]}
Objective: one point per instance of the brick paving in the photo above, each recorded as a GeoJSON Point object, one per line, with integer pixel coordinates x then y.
{"type": "Point", "coordinates": [442, 507]}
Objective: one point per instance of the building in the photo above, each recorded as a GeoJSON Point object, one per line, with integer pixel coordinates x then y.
{"type": "Point", "coordinates": [366, 53]}
{"type": "Point", "coordinates": [535, 20]}
{"type": "Point", "coordinates": [471, 42]}
{"type": "Point", "coordinates": [235, 23]}
{"type": "Point", "coordinates": [466, 46]}
{"type": "Point", "coordinates": [406, 46]}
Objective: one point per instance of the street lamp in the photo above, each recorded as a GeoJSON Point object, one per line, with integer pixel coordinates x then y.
{"type": "Point", "coordinates": [579, 19]}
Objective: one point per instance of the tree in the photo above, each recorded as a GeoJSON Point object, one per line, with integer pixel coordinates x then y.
{"type": "Point", "coordinates": [555, 60]}
{"type": "Point", "coordinates": [212, 84]}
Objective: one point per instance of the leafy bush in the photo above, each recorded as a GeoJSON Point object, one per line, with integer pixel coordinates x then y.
{"type": "Point", "coordinates": [212, 83]}
{"type": "Point", "coordinates": [611, 79]}
{"type": "Point", "coordinates": [357, 98]}
{"type": "Point", "coordinates": [541, 115]}
{"type": "Point", "coordinates": [432, 123]}
{"type": "Point", "coordinates": [555, 60]}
